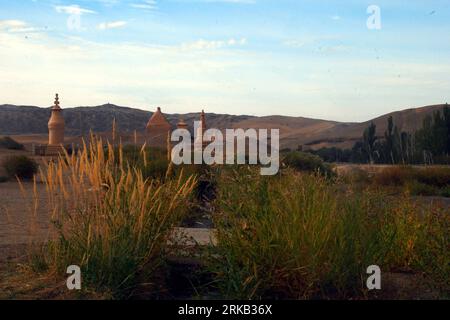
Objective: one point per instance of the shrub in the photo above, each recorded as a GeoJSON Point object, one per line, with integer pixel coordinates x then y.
{"type": "Point", "coordinates": [20, 166]}
{"type": "Point", "coordinates": [442, 159]}
{"type": "Point", "coordinates": [151, 161]}
{"type": "Point", "coordinates": [434, 176]}
{"type": "Point", "coordinates": [295, 236]}
{"type": "Point", "coordinates": [155, 169]}
{"type": "Point", "coordinates": [394, 176]}
{"type": "Point", "coordinates": [9, 143]}
{"type": "Point", "coordinates": [438, 177]}
{"type": "Point", "coordinates": [445, 192]}
{"type": "Point", "coordinates": [307, 162]}
{"type": "Point", "coordinates": [420, 189]}
{"type": "Point", "coordinates": [333, 154]}
{"type": "Point", "coordinates": [356, 176]}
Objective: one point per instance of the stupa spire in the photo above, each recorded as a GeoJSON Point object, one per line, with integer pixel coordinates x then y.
{"type": "Point", "coordinates": [182, 124]}
{"type": "Point", "coordinates": [56, 125]}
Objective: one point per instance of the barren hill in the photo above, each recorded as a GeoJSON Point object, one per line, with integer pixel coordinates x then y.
{"type": "Point", "coordinates": [294, 131]}
{"type": "Point", "coordinates": [18, 120]}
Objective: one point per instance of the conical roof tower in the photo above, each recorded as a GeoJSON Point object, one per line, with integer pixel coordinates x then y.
{"type": "Point", "coordinates": [157, 129]}
{"type": "Point", "coordinates": [158, 120]}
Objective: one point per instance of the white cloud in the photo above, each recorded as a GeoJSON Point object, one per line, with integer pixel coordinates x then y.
{"type": "Point", "coordinates": [16, 26]}
{"type": "Point", "coordinates": [145, 4]}
{"type": "Point", "coordinates": [223, 1]}
{"type": "Point", "coordinates": [109, 2]}
{"type": "Point", "coordinates": [317, 41]}
{"type": "Point", "coordinates": [213, 45]}
{"type": "Point", "coordinates": [111, 25]}
{"type": "Point", "coordinates": [233, 1]}
{"type": "Point", "coordinates": [4, 24]}
{"type": "Point", "coordinates": [294, 43]}
{"type": "Point", "coordinates": [90, 73]}
{"type": "Point", "coordinates": [73, 9]}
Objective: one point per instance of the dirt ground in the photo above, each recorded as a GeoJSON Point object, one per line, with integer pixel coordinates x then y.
{"type": "Point", "coordinates": [17, 223]}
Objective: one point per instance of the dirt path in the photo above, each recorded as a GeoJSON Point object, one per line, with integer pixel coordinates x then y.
{"type": "Point", "coordinates": [16, 220]}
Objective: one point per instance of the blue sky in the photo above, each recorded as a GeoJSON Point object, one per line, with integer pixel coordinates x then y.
{"type": "Point", "coordinates": [312, 58]}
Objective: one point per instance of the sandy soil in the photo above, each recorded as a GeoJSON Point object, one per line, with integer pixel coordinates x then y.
{"type": "Point", "coordinates": [17, 223]}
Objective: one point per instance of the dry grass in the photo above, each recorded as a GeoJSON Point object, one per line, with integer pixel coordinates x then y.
{"type": "Point", "coordinates": [109, 220]}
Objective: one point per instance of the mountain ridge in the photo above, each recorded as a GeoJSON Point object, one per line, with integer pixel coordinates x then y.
{"type": "Point", "coordinates": [294, 131]}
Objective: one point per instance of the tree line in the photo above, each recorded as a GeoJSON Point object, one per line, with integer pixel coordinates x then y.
{"type": "Point", "coordinates": [428, 145]}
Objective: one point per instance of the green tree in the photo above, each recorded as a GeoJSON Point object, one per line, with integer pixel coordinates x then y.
{"type": "Point", "coordinates": [446, 120]}
{"type": "Point", "coordinates": [369, 139]}
{"type": "Point", "coordinates": [390, 137]}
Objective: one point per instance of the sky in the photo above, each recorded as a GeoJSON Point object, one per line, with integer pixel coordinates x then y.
{"type": "Point", "coordinates": [347, 60]}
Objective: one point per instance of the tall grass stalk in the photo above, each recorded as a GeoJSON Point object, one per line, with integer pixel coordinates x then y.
{"type": "Point", "coordinates": [108, 219]}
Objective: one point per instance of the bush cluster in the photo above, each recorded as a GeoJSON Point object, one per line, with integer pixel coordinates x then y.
{"type": "Point", "coordinates": [22, 167]}
{"type": "Point", "coordinates": [307, 162]}
{"type": "Point", "coordinates": [11, 144]}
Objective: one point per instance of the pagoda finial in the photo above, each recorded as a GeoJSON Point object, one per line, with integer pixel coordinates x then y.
{"type": "Point", "coordinates": [56, 106]}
